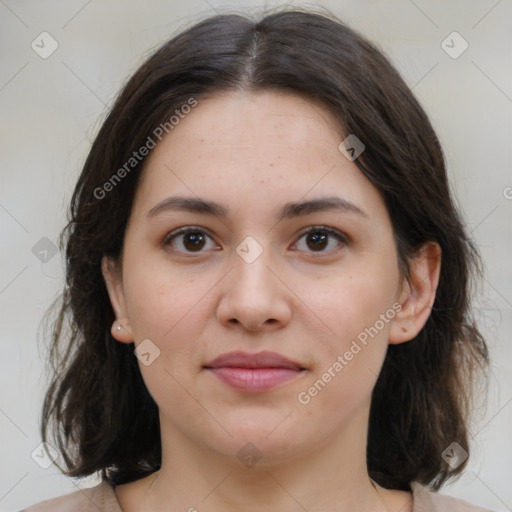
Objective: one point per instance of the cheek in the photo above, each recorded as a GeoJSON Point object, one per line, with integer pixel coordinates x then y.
{"type": "Point", "coordinates": [356, 313]}
{"type": "Point", "coordinates": [349, 360]}
{"type": "Point", "coordinates": [162, 299]}
{"type": "Point", "coordinates": [346, 303]}
{"type": "Point", "coordinates": [170, 309]}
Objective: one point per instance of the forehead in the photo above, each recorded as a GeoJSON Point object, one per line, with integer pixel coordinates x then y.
{"type": "Point", "coordinates": [241, 124]}
{"type": "Point", "coordinates": [253, 149]}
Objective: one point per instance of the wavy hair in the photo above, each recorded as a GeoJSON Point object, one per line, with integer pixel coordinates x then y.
{"type": "Point", "coordinates": [97, 408]}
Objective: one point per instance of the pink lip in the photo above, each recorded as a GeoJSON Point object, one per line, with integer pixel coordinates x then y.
{"type": "Point", "coordinates": [254, 372]}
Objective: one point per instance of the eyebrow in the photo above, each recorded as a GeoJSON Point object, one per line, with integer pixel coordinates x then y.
{"type": "Point", "coordinates": [288, 211]}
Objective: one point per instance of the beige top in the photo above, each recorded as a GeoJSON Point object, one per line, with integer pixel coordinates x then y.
{"type": "Point", "coordinates": [103, 498]}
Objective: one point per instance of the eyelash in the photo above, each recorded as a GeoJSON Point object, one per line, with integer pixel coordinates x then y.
{"type": "Point", "coordinates": [329, 231]}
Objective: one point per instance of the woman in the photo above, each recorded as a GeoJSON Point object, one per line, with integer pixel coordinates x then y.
{"type": "Point", "coordinates": [267, 300]}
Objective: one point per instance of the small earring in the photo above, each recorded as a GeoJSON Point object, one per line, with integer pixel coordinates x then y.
{"type": "Point", "coordinates": [118, 327]}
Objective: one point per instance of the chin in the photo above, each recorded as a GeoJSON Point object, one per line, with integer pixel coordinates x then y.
{"type": "Point", "coordinates": [263, 441]}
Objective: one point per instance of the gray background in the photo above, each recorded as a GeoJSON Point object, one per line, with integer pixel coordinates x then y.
{"type": "Point", "coordinates": [51, 109]}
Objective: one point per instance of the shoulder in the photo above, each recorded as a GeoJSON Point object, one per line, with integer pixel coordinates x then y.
{"type": "Point", "coordinates": [425, 500]}
{"type": "Point", "coordinates": [101, 497]}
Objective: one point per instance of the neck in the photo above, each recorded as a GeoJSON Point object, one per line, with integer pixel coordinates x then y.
{"type": "Point", "coordinates": [332, 476]}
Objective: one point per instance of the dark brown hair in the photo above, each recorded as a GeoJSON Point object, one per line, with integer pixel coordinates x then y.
{"type": "Point", "coordinates": [97, 407]}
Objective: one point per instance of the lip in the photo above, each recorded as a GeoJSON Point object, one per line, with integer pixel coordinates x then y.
{"type": "Point", "coordinates": [254, 373]}
{"type": "Point", "coordinates": [265, 359]}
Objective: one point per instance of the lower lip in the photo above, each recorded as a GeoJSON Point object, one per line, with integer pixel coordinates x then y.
{"type": "Point", "coordinates": [254, 379]}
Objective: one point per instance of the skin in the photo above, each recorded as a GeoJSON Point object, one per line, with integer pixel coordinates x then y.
{"type": "Point", "coordinates": [253, 152]}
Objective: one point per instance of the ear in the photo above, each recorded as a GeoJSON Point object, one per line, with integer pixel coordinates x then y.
{"type": "Point", "coordinates": [418, 294]}
{"type": "Point", "coordinates": [112, 274]}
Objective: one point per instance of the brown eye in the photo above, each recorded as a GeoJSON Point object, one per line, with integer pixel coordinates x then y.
{"type": "Point", "coordinates": [318, 239]}
{"type": "Point", "coordinates": [188, 240]}
{"type": "Point", "coordinates": [194, 241]}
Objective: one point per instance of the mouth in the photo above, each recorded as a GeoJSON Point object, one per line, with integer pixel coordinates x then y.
{"type": "Point", "coordinates": [254, 373]}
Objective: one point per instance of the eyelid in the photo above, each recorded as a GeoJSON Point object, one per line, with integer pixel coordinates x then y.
{"type": "Point", "coordinates": [322, 227]}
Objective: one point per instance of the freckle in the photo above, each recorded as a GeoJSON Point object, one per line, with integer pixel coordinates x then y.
{"type": "Point", "coordinates": [271, 164]}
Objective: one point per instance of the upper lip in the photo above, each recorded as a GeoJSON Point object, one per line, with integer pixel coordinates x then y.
{"type": "Point", "coordinates": [266, 359]}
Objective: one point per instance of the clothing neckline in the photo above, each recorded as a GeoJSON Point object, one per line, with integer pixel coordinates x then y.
{"type": "Point", "coordinates": [418, 494]}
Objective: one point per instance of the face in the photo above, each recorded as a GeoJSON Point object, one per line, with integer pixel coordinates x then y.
{"type": "Point", "coordinates": [298, 259]}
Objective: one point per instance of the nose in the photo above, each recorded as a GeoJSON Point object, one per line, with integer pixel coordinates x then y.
{"type": "Point", "coordinates": [254, 297]}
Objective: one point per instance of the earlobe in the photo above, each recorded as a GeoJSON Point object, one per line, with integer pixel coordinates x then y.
{"type": "Point", "coordinates": [112, 275]}
{"type": "Point", "coordinates": [418, 294]}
